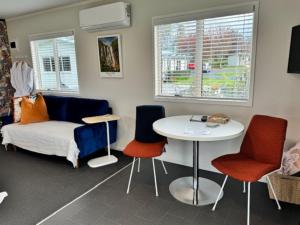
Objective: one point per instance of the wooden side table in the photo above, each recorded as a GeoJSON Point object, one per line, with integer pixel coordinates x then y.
{"type": "Point", "coordinates": [108, 159]}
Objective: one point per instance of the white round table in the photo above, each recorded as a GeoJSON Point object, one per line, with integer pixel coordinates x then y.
{"type": "Point", "coordinates": [195, 190]}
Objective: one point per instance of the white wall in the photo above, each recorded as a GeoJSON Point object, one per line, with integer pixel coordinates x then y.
{"type": "Point", "coordinates": [275, 92]}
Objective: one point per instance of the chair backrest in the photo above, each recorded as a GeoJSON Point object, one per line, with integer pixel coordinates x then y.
{"type": "Point", "coordinates": [146, 115]}
{"type": "Point", "coordinates": [264, 139]}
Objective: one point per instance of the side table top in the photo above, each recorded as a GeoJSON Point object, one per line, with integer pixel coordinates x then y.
{"type": "Point", "coordinates": [100, 119]}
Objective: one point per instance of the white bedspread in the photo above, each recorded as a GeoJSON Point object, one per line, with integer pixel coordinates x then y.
{"type": "Point", "coordinates": [50, 138]}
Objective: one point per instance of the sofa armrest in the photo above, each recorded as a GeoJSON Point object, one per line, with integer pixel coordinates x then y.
{"type": "Point", "coordinates": [7, 120]}
{"type": "Point", "coordinates": [92, 137]}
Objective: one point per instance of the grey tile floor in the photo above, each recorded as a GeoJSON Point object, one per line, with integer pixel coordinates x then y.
{"type": "Point", "coordinates": [110, 205]}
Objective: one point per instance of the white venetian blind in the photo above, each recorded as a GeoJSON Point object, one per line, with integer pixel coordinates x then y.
{"type": "Point", "coordinates": [54, 62]}
{"type": "Point", "coordinates": [207, 58]}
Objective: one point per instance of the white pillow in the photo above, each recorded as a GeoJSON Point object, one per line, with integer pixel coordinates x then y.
{"type": "Point", "coordinates": [291, 160]}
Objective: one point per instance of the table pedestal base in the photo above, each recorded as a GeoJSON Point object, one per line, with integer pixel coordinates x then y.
{"type": "Point", "coordinates": [182, 190]}
{"type": "Point", "coordinates": [102, 161]}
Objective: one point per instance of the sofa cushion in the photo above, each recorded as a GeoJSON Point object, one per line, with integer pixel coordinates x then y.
{"type": "Point", "coordinates": [92, 137]}
{"type": "Point", "coordinates": [33, 112]}
{"type": "Point", "coordinates": [17, 106]}
{"type": "Point", "coordinates": [79, 108]}
{"type": "Point", "coordinates": [57, 107]}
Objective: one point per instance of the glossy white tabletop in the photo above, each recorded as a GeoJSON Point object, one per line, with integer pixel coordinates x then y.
{"type": "Point", "coordinates": [181, 128]}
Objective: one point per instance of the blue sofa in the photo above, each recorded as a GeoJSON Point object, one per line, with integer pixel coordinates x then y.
{"type": "Point", "coordinates": [90, 137]}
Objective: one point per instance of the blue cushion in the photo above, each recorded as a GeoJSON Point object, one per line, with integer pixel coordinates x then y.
{"type": "Point", "coordinates": [79, 108]}
{"type": "Point", "coordinates": [92, 137]}
{"type": "Point", "coordinates": [7, 120]}
{"type": "Point", "coordinates": [57, 107]}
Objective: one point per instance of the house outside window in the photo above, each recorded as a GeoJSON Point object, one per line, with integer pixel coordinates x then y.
{"type": "Point", "coordinates": [54, 62]}
{"type": "Point", "coordinates": [207, 55]}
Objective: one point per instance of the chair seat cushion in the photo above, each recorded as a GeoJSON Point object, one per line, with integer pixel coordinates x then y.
{"type": "Point", "coordinates": [144, 150]}
{"type": "Point", "coordinates": [243, 168]}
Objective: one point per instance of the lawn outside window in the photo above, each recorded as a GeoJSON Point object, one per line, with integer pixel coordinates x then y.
{"type": "Point", "coordinates": [206, 56]}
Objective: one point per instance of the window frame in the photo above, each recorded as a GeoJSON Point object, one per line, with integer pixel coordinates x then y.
{"type": "Point", "coordinates": [179, 17]}
{"type": "Point", "coordinates": [53, 35]}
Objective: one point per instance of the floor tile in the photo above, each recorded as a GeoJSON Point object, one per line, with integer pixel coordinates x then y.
{"type": "Point", "coordinates": [119, 214]}
{"type": "Point", "coordinates": [90, 213]}
{"type": "Point", "coordinates": [134, 220]}
{"type": "Point", "coordinates": [183, 211]}
{"type": "Point", "coordinates": [56, 221]}
{"type": "Point", "coordinates": [104, 221]}
{"type": "Point", "coordinates": [172, 220]}
{"type": "Point", "coordinates": [154, 210]}
{"type": "Point", "coordinates": [239, 216]}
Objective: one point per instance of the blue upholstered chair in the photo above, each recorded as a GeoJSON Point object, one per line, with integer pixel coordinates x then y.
{"type": "Point", "coordinates": [147, 143]}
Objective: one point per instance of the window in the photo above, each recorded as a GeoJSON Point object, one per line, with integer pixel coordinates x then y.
{"type": "Point", "coordinates": [49, 64]}
{"type": "Point", "coordinates": [65, 63]}
{"type": "Point", "coordinates": [54, 62]}
{"type": "Point", "coordinates": [201, 56]}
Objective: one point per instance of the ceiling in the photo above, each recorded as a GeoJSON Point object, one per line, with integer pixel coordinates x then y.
{"type": "Point", "coordinates": [11, 8]}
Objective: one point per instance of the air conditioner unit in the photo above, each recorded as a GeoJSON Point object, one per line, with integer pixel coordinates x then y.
{"type": "Point", "coordinates": [105, 17]}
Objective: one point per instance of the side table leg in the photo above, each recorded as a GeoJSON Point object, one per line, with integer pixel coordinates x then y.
{"type": "Point", "coordinates": [104, 160]}
{"type": "Point", "coordinates": [196, 172]}
{"type": "Point", "coordinates": [108, 137]}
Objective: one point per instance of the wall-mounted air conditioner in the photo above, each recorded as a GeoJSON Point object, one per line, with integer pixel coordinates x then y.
{"type": "Point", "coordinates": [105, 17]}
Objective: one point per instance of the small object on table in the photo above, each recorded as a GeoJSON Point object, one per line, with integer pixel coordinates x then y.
{"type": "Point", "coordinates": [204, 118]}
{"type": "Point", "coordinates": [218, 118]}
{"type": "Point", "coordinates": [104, 160]}
{"type": "Point", "coordinates": [196, 119]}
{"type": "Point", "coordinates": [212, 125]}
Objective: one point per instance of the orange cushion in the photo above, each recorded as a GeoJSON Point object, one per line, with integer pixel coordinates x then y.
{"type": "Point", "coordinates": [17, 106]}
{"type": "Point", "coordinates": [242, 168]}
{"type": "Point", "coordinates": [144, 150]}
{"type": "Point", "coordinates": [33, 112]}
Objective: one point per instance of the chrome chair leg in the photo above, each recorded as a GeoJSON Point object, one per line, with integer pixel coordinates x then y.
{"type": "Point", "coordinates": [272, 189]}
{"type": "Point", "coordinates": [154, 173]}
{"type": "Point", "coordinates": [220, 193]}
{"type": "Point", "coordinates": [248, 204]}
{"type": "Point", "coordinates": [163, 165]}
{"type": "Point", "coordinates": [129, 182]}
{"type": "Point", "coordinates": [139, 165]}
{"type": "Point", "coordinates": [244, 187]}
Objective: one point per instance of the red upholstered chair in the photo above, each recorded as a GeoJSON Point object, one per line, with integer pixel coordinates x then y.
{"type": "Point", "coordinates": [147, 143]}
{"type": "Point", "coordinates": [260, 154]}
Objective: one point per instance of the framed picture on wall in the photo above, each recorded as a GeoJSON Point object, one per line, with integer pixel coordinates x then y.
{"type": "Point", "coordinates": [109, 50]}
